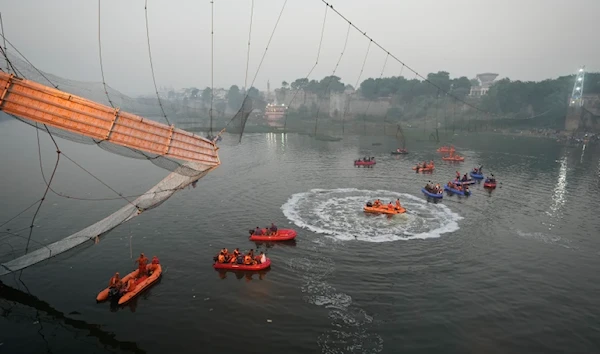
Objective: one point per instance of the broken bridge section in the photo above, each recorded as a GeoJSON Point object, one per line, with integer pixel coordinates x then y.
{"type": "Point", "coordinates": [74, 115]}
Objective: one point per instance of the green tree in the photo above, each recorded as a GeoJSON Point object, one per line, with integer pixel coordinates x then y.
{"type": "Point", "coordinates": [284, 84]}
{"type": "Point", "coordinates": [206, 94]}
{"type": "Point", "coordinates": [234, 97]}
{"type": "Point", "coordinates": [299, 84]}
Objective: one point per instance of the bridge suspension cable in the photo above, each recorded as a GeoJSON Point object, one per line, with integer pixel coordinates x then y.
{"type": "Point", "coordinates": [362, 68]}
{"type": "Point", "coordinates": [332, 75]}
{"type": "Point", "coordinates": [152, 65]}
{"type": "Point", "coordinates": [395, 57]}
{"type": "Point", "coordinates": [311, 69]}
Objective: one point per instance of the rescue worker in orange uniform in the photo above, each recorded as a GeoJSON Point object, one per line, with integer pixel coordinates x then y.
{"type": "Point", "coordinates": [142, 261]}
{"type": "Point", "coordinates": [398, 206]}
{"type": "Point", "coordinates": [247, 260]}
{"type": "Point", "coordinates": [153, 265]}
{"type": "Point", "coordinates": [115, 281]}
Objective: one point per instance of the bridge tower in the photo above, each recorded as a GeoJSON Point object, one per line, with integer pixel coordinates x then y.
{"type": "Point", "coordinates": [575, 110]}
{"type": "Point", "coordinates": [577, 93]}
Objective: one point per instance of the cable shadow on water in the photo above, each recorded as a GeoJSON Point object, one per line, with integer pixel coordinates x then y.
{"type": "Point", "coordinates": [25, 298]}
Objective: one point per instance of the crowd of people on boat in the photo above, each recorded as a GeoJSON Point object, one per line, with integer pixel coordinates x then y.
{"type": "Point", "coordinates": [268, 231]}
{"type": "Point", "coordinates": [365, 159]}
{"type": "Point", "coordinates": [458, 187]}
{"type": "Point", "coordinates": [491, 179]}
{"type": "Point", "coordinates": [425, 165]}
{"type": "Point", "coordinates": [117, 285]}
{"type": "Point", "coordinates": [378, 204]}
{"type": "Point", "coordinates": [236, 257]}
{"type": "Point", "coordinates": [478, 170]}
{"type": "Point", "coordinates": [434, 188]}
{"type": "Point", "coordinates": [464, 178]}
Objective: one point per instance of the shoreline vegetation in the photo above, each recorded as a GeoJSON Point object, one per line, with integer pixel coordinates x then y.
{"type": "Point", "coordinates": [376, 107]}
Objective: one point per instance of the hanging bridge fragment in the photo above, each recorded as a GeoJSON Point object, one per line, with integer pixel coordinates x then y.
{"type": "Point", "coordinates": [74, 117]}
{"type": "Point", "coordinates": [189, 156]}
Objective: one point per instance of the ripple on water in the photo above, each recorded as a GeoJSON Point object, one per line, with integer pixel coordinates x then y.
{"type": "Point", "coordinates": [338, 213]}
{"type": "Point", "coordinates": [349, 332]}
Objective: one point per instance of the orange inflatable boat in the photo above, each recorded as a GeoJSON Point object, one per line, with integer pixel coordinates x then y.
{"type": "Point", "coordinates": [428, 168]}
{"type": "Point", "coordinates": [281, 235]}
{"type": "Point", "coordinates": [453, 158]}
{"type": "Point", "coordinates": [446, 149]}
{"type": "Point", "coordinates": [141, 284]}
{"type": "Point", "coordinates": [384, 210]}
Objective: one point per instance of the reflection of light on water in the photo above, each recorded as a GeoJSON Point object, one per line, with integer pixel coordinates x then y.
{"type": "Point", "coordinates": [283, 141]}
{"type": "Point", "coordinates": [558, 199]}
{"type": "Point", "coordinates": [582, 153]}
{"type": "Point", "coordinates": [271, 139]}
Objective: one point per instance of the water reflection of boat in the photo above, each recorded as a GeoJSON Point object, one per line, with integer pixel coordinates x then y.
{"type": "Point", "coordinates": [240, 274]}
{"type": "Point", "coordinates": [271, 244]}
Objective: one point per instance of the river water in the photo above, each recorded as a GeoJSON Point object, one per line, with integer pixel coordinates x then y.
{"type": "Point", "coordinates": [510, 271]}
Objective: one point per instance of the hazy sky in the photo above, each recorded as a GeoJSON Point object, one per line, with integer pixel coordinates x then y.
{"type": "Point", "coordinates": [519, 39]}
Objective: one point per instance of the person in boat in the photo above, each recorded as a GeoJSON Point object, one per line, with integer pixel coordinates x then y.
{"type": "Point", "coordinates": [237, 257]}
{"type": "Point", "coordinates": [377, 203]}
{"type": "Point", "coordinates": [492, 179]}
{"type": "Point", "coordinates": [398, 206]}
{"type": "Point", "coordinates": [115, 281]}
{"type": "Point", "coordinates": [153, 265]}
{"type": "Point", "coordinates": [259, 259]}
{"type": "Point", "coordinates": [129, 286]}
{"type": "Point", "coordinates": [428, 186]}
{"type": "Point", "coordinates": [273, 229]}
{"type": "Point", "coordinates": [221, 257]}
{"type": "Point", "coordinates": [248, 260]}
{"type": "Point", "coordinates": [466, 189]}
{"type": "Point", "coordinates": [457, 175]}
{"type": "Point", "coordinates": [465, 178]}
{"type": "Point", "coordinates": [141, 261]}
{"type": "Point", "coordinates": [369, 205]}
{"type": "Point", "coordinates": [258, 231]}
{"type": "Point", "coordinates": [390, 206]}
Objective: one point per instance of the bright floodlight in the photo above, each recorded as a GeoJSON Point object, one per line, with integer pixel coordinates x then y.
{"type": "Point", "coordinates": [578, 88]}
{"type": "Point", "coordinates": [579, 79]}
{"type": "Point", "coordinates": [580, 70]}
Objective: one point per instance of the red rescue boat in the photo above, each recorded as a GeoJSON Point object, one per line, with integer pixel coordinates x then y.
{"type": "Point", "coordinates": [364, 163]}
{"type": "Point", "coordinates": [281, 235]}
{"type": "Point", "coordinates": [235, 266]}
{"type": "Point", "coordinates": [491, 184]}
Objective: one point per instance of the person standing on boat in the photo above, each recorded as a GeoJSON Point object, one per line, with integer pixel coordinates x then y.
{"type": "Point", "coordinates": [273, 229]}
{"type": "Point", "coordinates": [142, 261]}
{"type": "Point", "coordinates": [398, 206]}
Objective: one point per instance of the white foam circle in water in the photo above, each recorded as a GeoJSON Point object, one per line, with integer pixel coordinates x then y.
{"type": "Point", "coordinates": [339, 213]}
